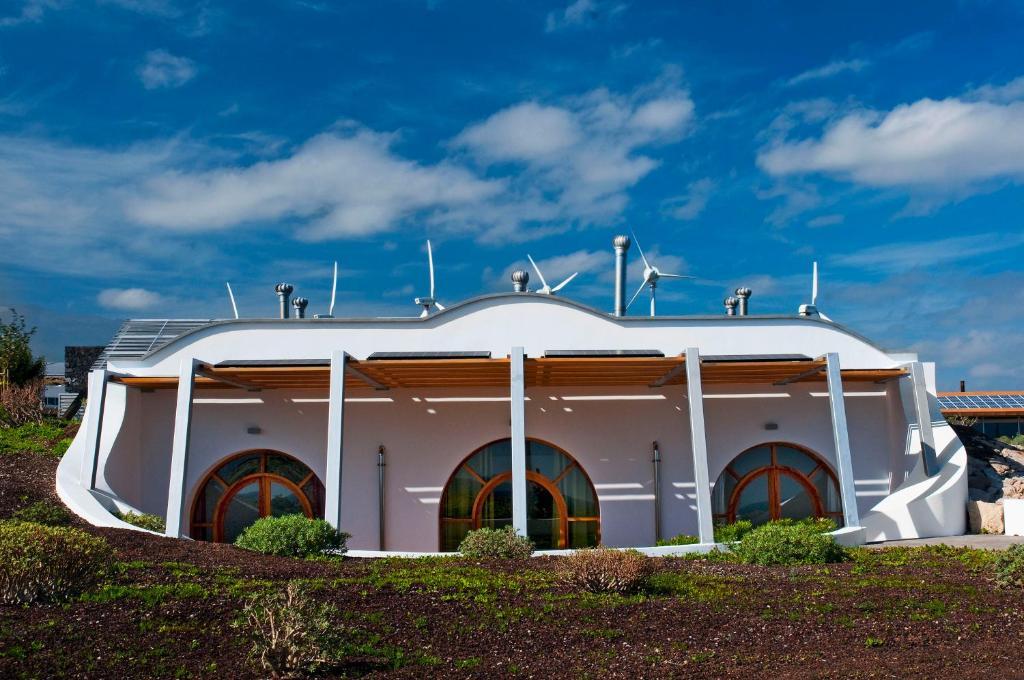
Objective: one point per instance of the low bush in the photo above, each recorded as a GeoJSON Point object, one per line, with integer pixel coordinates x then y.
{"type": "Point", "coordinates": [604, 570]}
{"type": "Point", "coordinates": [680, 539]}
{"type": "Point", "coordinates": [291, 632]}
{"type": "Point", "coordinates": [48, 437]}
{"type": "Point", "coordinates": [292, 536]}
{"type": "Point", "coordinates": [144, 521]}
{"type": "Point", "coordinates": [1016, 440]}
{"type": "Point", "coordinates": [789, 542]}
{"type": "Point", "coordinates": [730, 533]}
{"type": "Point", "coordinates": [503, 543]}
{"type": "Point", "coordinates": [21, 404]}
{"type": "Point", "coordinates": [44, 512]}
{"type": "Point", "coordinates": [45, 564]}
{"type": "Point", "coordinates": [1009, 567]}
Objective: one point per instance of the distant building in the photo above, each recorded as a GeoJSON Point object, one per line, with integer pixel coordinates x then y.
{"type": "Point", "coordinates": [65, 385]}
{"type": "Point", "coordinates": [995, 414]}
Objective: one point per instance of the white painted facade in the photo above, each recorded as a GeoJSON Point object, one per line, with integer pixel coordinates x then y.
{"type": "Point", "coordinates": [427, 433]}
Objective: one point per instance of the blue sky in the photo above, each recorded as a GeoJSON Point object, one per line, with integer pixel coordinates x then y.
{"type": "Point", "coordinates": [152, 149]}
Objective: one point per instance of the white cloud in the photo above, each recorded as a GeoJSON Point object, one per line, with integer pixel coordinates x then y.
{"type": "Point", "coordinates": [161, 69]}
{"type": "Point", "coordinates": [1009, 92]}
{"type": "Point", "coordinates": [829, 70]}
{"type": "Point", "coordinates": [691, 204]}
{"type": "Point", "coordinates": [129, 299]}
{"type": "Point", "coordinates": [925, 145]}
{"type": "Point", "coordinates": [826, 220]}
{"type": "Point", "coordinates": [577, 13]}
{"type": "Point", "coordinates": [898, 257]}
{"type": "Point", "coordinates": [31, 11]}
{"type": "Point", "coordinates": [525, 132]}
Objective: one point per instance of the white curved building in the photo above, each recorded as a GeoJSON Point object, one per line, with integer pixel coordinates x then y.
{"type": "Point", "coordinates": [573, 425]}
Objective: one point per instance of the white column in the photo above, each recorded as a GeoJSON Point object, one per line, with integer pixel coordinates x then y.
{"type": "Point", "coordinates": [335, 438]}
{"type": "Point", "coordinates": [924, 418]}
{"type": "Point", "coordinates": [94, 426]}
{"type": "Point", "coordinates": [518, 426]}
{"type": "Point", "coordinates": [699, 444]}
{"type": "Point", "coordinates": [179, 450]}
{"type": "Point", "coordinates": [841, 437]}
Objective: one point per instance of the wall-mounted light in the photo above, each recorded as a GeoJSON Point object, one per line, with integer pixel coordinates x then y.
{"type": "Point", "coordinates": [254, 429]}
{"type": "Point", "coordinates": [771, 426]}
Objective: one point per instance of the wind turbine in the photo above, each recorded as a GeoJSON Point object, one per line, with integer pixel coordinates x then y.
{"type": "Point", "coordinates": [545, 289]}
{"type": "Point", "coordinates": [812, 309]}
{"type": "Point", "coordinates": [651, 276]}
{"type": "Point", "coordinates": [428, 302]}
{"type": "Point", "coordinates": [231, 295]}
{"type": "Point", "coordinates": [334, 293]}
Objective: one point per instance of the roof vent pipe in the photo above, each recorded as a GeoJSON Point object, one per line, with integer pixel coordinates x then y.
{"type": "Point", "coordinates": [730, 305]}
{"type": "Point", "coordinates": [808, 310]}
{"type": "Point", "coordinates": [519, 280]}
{"type": "Point", "coordinates": [284, 290]}
{"type": "Point", "coordinates": [300, 307]}
{"type": "Point", "coordinates": [621, 244]}
{"type": "Point", "coordinates": [744, 295]}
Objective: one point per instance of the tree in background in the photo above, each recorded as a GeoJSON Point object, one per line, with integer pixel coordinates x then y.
{"type": "Point", "coordinates": [18, 366]}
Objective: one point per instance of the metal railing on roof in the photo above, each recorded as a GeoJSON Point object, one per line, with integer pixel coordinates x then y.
{"type": "Point", "coordinates": [138, 337]}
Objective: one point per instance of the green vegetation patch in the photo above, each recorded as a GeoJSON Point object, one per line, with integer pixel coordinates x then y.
{"type": "Point", "coordinates": [46, 437]}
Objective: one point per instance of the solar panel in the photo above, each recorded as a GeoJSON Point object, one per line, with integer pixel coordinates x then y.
{"type": "Point", "coordinates": [274, 362]}
{"type": "Point", "coordinates": [979, 401]}
{"type": "Point", "coordinates": [724, 358]}
{"type": "Point", "coordinates": [428, 355]}
{"type": "Point", "coordinates": [568, 353]}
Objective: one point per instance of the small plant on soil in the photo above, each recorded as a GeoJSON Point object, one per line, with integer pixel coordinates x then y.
{"type": "Point", "coordinates": [144, 521]}
{"type": "Point", "coordinates": [681, 539]}
{"type": "Point", "coordinates": [604, 570]}
{"type": "Point", "coordinates": [503, 543]}
{"type": "Point", "coordinates": [292, 536]}
{"type": "Point", "coordinates": [788, 542]}
{"type": "Point", "coordinates": [1009, 566]}
{"type": "Point", "coordinates": [291, 632]}
{"type": "Point", "coordinates": [44, 564]}
{"type": "Point", "coordinates": [44, 512]}
{"type": "Point", "coordinates": [730, 533]}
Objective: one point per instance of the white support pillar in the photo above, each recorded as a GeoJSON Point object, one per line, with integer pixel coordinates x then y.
{"type": "Point", "coordinates": [841, 437]}
{"type": "Point", "coordinates": [518, 427]}
{"type": "Point", "coordinates": [179, 450]}
{"type": "Point", "coordinates": [94, 426]}
{"type": "Point", "coordinates": [699, 444]}
{"type": "Point", "coordinates": [335, 438]}
{"type": "Point", "coordinates": [924, 418]}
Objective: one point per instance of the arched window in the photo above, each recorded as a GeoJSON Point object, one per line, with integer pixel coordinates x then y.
{"type": "Point", "coordinates": [562, 509]}
{"type": "Point", "coordinates": [775, 481]}
{"type": "Point", "coordinates": [251, 485]}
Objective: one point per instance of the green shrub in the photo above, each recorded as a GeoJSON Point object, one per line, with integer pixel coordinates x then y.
{"type": "Point", "coordinates": [730, 533]}
{"type": "Point", "coordinates": [292, 536]}
{"type": "Point", "coordinates": [144, 521]}
{"type": "Point", "coordinates": [291, 632]}
{"type": "Point", "coordinates": [1009, 566]}
{"type": "Point", "coordinates": [679, 539]}
{"type": "Point", "coordinates": [604, 570]}
{"type": "Point", "coordinates": [788, 542]}
{"type": "Point", "coordinates": [48, 437]}
{"type": "Point", "coordinates": [503, 543]}
{"type": "Point", "coordinates": [44, 564]}
{"type": "Point", "coordinates": [44, 512]}
{"type": "Point", "coordinates": [1016, 440]}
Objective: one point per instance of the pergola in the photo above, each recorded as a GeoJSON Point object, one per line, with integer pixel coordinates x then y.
{"type": "Point", "coordinates": [517, 373]}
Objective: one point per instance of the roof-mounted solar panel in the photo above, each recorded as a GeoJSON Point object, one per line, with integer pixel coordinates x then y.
{"type": "Point", "coordinates": [273, 362]}
{"type": "Point", "coordinates": [428, 355]}
{"type": "Point", "coordinates": [725, 358]}
{"type": "Point", "coordinates": [598, 353]}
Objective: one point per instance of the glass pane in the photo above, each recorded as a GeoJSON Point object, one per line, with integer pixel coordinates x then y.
{"type": "Point", "coordinates": [753, 501]}
{"type": "Point", "coordinates": [794, 458]}
{"type": "Point", "coordinates": [289, 468]}
{"type": "Point", "coordinates": [722, 493]}
{"type": "Point", "coordinates": [579, 497]}
{"type": "Point", "coordinates": [545, 460]}
{"type": "Point", "coordinates": [206, 503]}
{"type": "Point", "coordinates": [542, 520]}
{"type": "Point", "coordinates": [582, 534]}
{"type": "Point", "coordinates": [828, 492]}
{"type": "Point", "coordinates": [493, 459]}
{"type": "Point", "coordinates": [794, 500]}
{"type": "Point", "coordinates": [496, 509]}
{"type": "Point", "coordinates": [234, 470]}
{"type": "Point", "coordinates": [452, 534]}
{"type": "Point", "coordinates": [751, 460]}
{"type": "Point", "coordinates": [314, 491]}
{"type": "Point", "coordinates": [202, 533]}
{"type": "Point", "coordinates": [462, 491]}
{"type": "Point", "coordinates": [243, 510]}
{"type": "Point", "coordinates": [284, 501]}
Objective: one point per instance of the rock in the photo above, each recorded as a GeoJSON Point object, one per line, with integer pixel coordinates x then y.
{"type": "Point", "coordinates": [985, 517]}
{"type": "Point", "coordinates": [1013, 487]}
{"type": "Point", "coordinates": [1001, 469]}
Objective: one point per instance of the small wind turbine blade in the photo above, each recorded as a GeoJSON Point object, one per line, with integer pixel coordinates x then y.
{"type": "Point", "coordinates": [674, 276]}
{"type": "Point", "coordinates": [814, 284]}
{"type": "Point", "coordinates": [439, 306]}
{"type": "Point", "coordinates": [639, 249]}
{"type": "Point", "coordinates": [334, 289]}
{"type": "Point", "coordinates": [637, 293]}
{"type": "Point", "coordinates": [564, 283]}
{"type": "Point", "coordinates": [231, 295]}
{"type": "Point", "coordinates": [430, 260]}
{"type": "Point", "coordinates": [537, 269]}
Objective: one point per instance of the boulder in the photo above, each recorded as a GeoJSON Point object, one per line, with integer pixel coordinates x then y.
{"type": "Point", "coordinates": [985, 518]}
